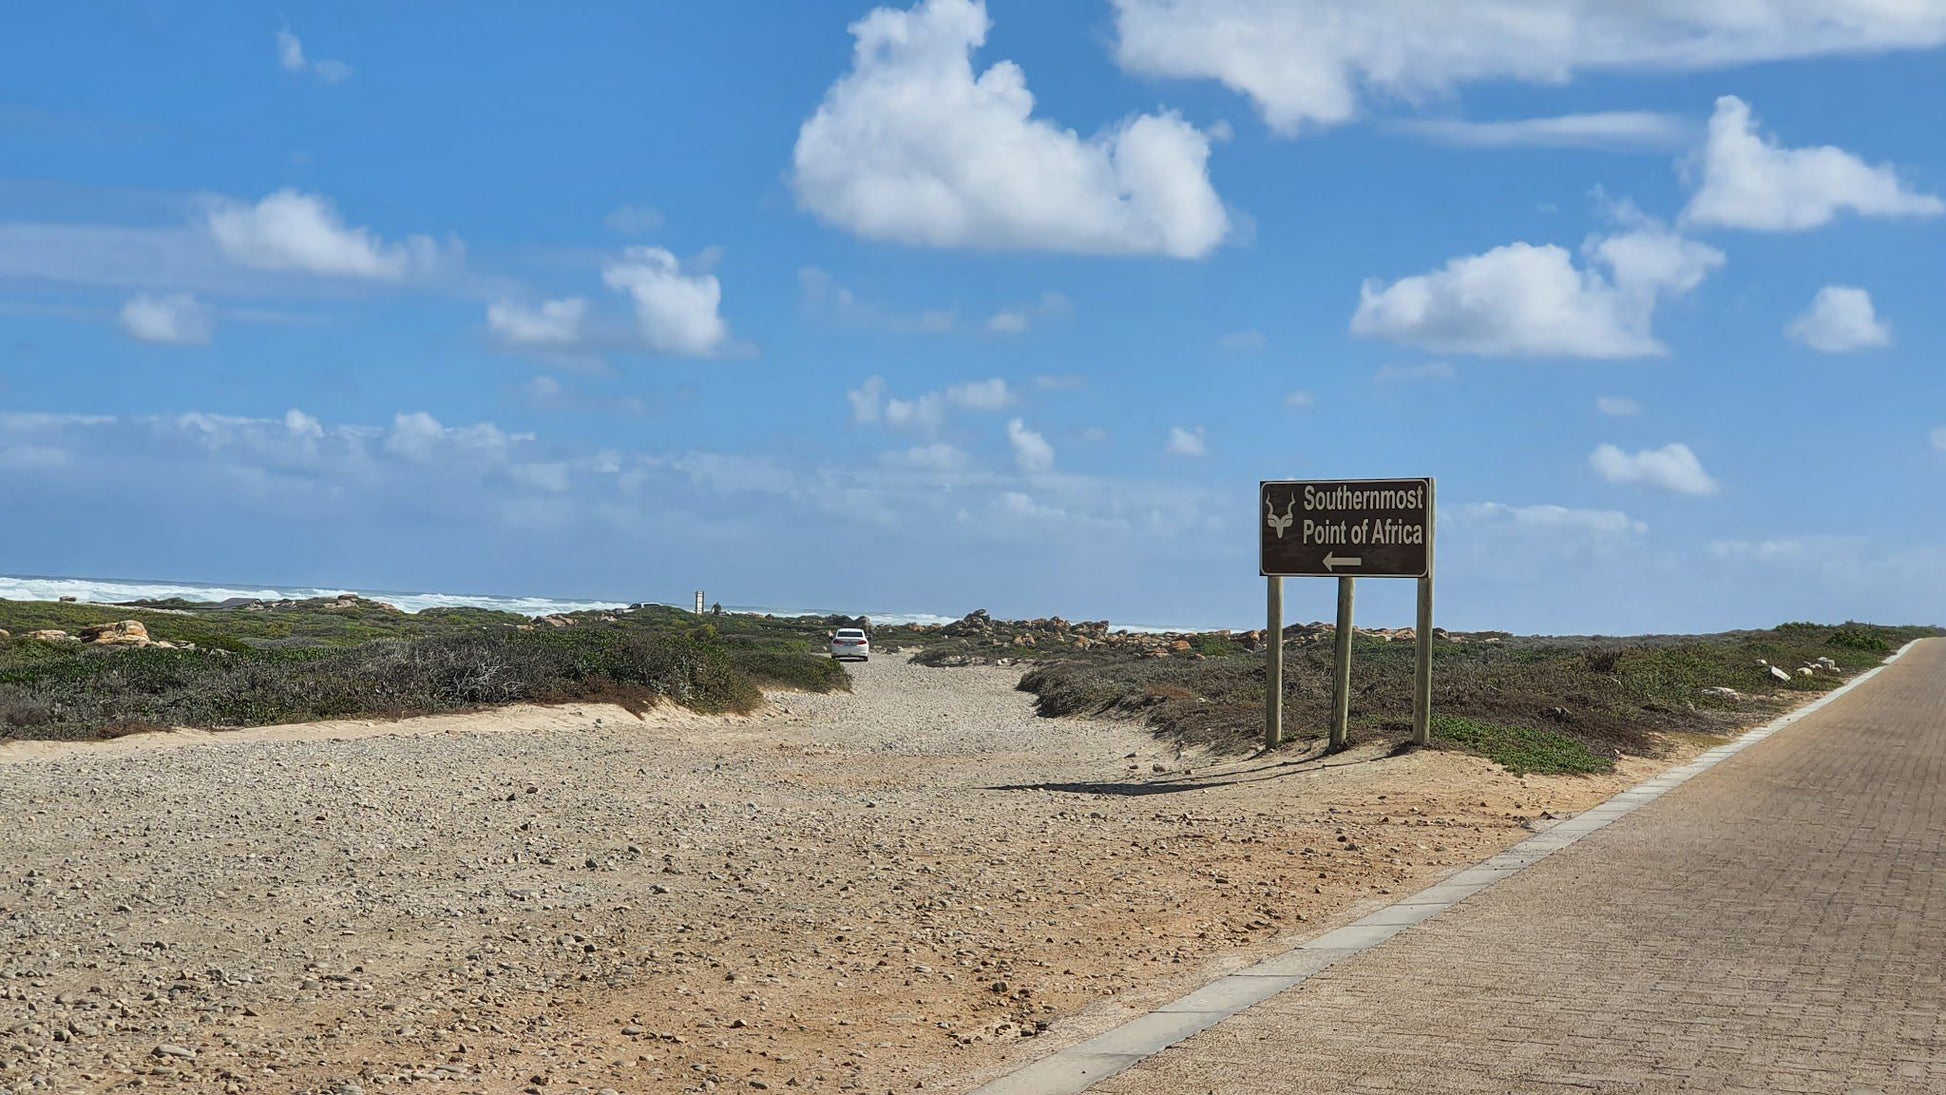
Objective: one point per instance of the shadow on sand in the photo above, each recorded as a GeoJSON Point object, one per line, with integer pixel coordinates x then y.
{"type": "Point", "coordinates": [1169, 785]}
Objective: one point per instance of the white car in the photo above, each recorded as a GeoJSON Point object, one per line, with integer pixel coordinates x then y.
{"type": "Point", "coordinates": [850, 642]}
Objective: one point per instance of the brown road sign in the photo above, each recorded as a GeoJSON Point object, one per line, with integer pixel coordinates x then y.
{"type": "Point", "coordinates": [1346, 528]}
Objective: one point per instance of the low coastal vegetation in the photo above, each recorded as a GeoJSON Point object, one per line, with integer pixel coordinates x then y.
{"type": "Point", "coordinates": [166, 664]}
{"type": "Point", "coordinates": [1531, 704]}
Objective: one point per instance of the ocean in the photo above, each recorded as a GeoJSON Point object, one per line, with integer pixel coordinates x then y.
{"type": "Point", "coordinates": [35, 587]}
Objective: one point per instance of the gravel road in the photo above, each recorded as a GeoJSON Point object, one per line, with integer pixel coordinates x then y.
{"type": "Point", "coordinates": [910, 886]}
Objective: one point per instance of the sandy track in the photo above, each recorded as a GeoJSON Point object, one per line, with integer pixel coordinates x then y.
{"type": "Point", "coordinates": [909, 887]}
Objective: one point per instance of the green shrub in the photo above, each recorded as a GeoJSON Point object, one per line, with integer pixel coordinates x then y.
{"type": "Point", "coordinates": [1853, 638]}
{"type": "Point", "coordinates": [1520, 749]}
{"type": "Point", "coordinates": [790, 669]}
{"type": "Point", "coordinates": [71, 691]}
{"type": "Point", "coordinates": [1613, 695]}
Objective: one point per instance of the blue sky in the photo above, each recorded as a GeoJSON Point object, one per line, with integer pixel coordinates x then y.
{"type": "Point", "coordinates": [956, 305]}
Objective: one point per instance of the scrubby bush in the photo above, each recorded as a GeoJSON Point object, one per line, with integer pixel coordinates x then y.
{"type": "Point", "coordinates": [77, 692]}
{"type": "Point", "coordinates": [1521, 701]}
{"type": "Point", "coordinates": [1853, 638]}
{"type": "Point", "coordinates": [1520, 749]}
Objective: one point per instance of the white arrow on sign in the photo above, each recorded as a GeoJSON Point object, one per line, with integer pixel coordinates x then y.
{"type": "Point", "coordinates": [1332, 562]}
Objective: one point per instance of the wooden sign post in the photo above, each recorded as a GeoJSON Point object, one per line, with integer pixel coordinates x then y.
{"type": "Point", "coordinates": [1346, 529]}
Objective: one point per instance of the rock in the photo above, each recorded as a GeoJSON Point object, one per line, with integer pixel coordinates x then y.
{"type": "Point", "coordinates": [1723, 693]}
{"type": "Point", "coordinates": [976, 622]}
{"type": "Point", "coordinates": [123, 633]}
{"type": "Point", "coordinates": [67, 600]}
{"type": "Point", "coordinates": [1806, 671]}
{"type": "Point", "coordinates": [168, 1049]}
{"type": "Point", "coordinates": [5, 634]}
{"type": "Point", "coordinates": [1778, 674]}
{"type": "Point", "coordinates": [1181, 645]}
{"type": "Point", "coordinates": [51, 635]}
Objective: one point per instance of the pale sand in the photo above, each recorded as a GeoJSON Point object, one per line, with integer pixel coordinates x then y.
{"type": "Point", "coordinates": [882, 889]}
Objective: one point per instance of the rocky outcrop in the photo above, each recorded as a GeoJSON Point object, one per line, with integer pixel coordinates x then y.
{"type": "Point", "coordinates": [126, 634]}
{"type": "Point", "coordinates": [121, 633]}
{"type": "Point", "coordinates": [974, 623]}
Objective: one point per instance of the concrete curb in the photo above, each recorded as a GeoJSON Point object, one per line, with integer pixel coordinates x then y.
{"type": "Point", "coordinates": [1083, 1065]}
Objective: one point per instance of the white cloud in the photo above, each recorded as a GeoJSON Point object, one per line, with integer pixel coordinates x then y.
{"type": "Point", "coordinates": [1185, 442]}
{"type": "Point", "coordinates": [633, 220]}
{"type": "Point", "coordinates": [1537, 538]}
{"type": "Point", "coordinates": [177, 318]}
{"type": "Point", "coordinates": [290, 54]}
{"type": "Point", "coordinates": [1012, 321]}
{"type": "Point", "coordinates": [1549, 518]}
{"type": "Point", "coordinates": [1031, 450]}
{"type": "Point", "coordinates": [981, 395]}
{"type": "Point", "coordinates": [33, 458]}
{"type": "Point", "coordinates": [302, 425]}
{"type": "Point", "coordinates": [1301, 399]}
{"type": "Point", "coordinates": [823, 293]}
{"type": "Point", "coordinates": [1316, 62]}
{"type": "Point", "coordinates": [1431, 370]}
{"type": "Point", "coordinates": [677, 313]}
{"type": "Point", "coordinates": [1243, 341]}
{"type": "Point", "coordinates": [164, 259]}
{"type": "Point", "coordinates": [867, 401]}
{"type": "Point", "coordinates": [549, 478]}
{"type": "Point", "coordinates": [1748, 181]}
{"type": "Point", "coordinates": [934, 457]}
{"type": "Point", "coordinates": [1620, 406]}
{"type": "Point", "coordinates": [545, 390]}
{"type": "Point", "coordinates": [1790, 551]}
{"type": "Point", "coordinates": [1841, 320]}
{"type": "Point", "coordinates": [925, 413]}
{"type": "Point", "coordinates": [555, 323]}
{"type": "Point", "coordinates": [1673, 467]}
{"type": "Point", "coordinates": [1022, 506]}
{"type": "Point", "coordinates": [1616, 129]}
{"type": "Point", "coordinates": [734, 473]}
{"type": "Point", "coordinates": [911, 147]}
{"type": "Point", "coordinates": [420, 437]}
{"type": "Point", "coordinates": [870, 405]}
{"type": "Point", "coordinates": [1523, 300]}
{"type": "Point", "coordinates": [488, 491]}
{"type": "Point", "coordinates": [293, 231]}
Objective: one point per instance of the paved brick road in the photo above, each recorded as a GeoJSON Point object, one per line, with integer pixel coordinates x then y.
{"type": "Point", "coordinates": [1777, 924]}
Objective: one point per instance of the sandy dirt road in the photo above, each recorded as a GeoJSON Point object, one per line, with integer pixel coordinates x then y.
{"type": "Point", "coordinates": [910, 887]}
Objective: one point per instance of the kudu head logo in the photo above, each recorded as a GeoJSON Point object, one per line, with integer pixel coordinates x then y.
{"type": "Point", "coordinates": [1279, 524]}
